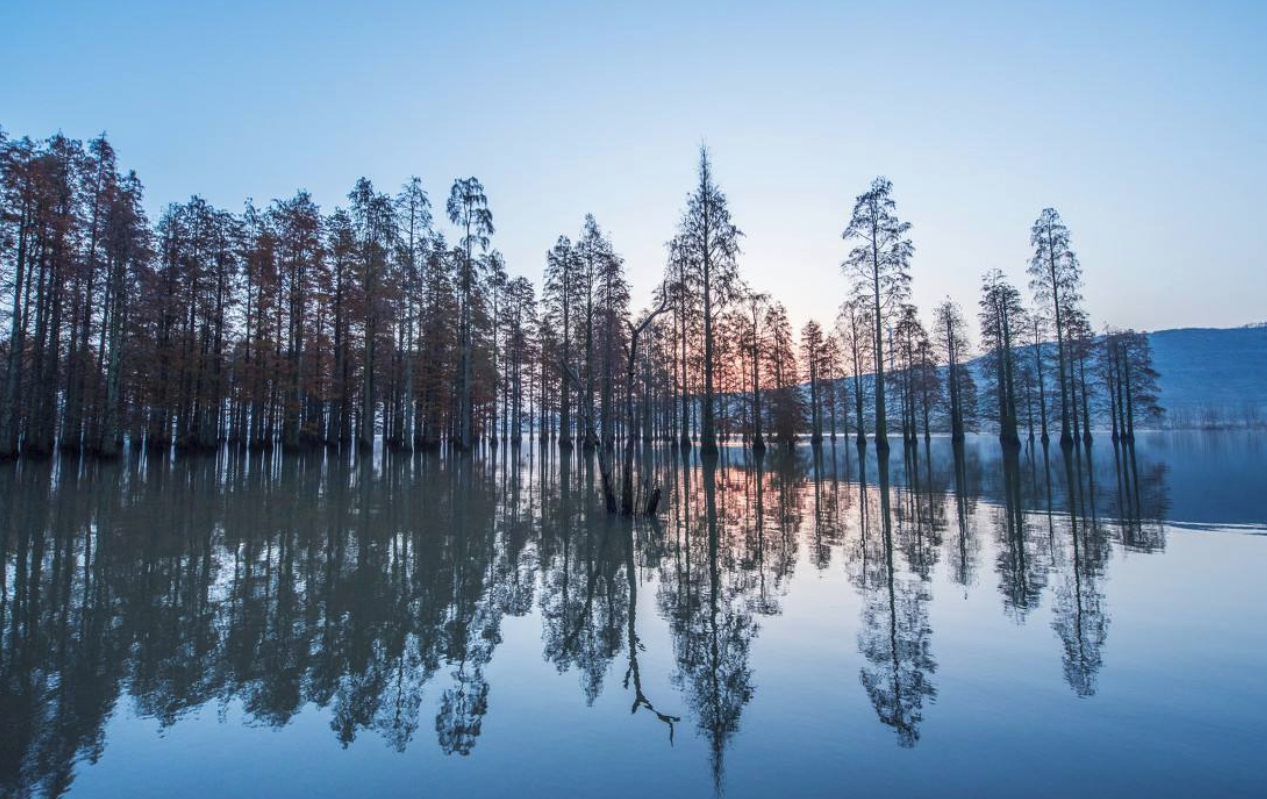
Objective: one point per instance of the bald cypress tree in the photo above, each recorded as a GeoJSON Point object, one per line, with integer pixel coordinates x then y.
{"type": "Point", "coordinates": [495, 282]}
{"type": "Point", "coordinates": [1001, 315]}
{"type": "Point", "coordinates": [711, 243]}
{"type": "Point", "coordinates": [413, 221]}
{"type": "Point", "coordinates": [23, 197]}
{"type": "Point", "coordinates": [1056, 280]}
{"type": "Point", "coordinates": [879, 267]}
{"type": "Point", "coordinates": [613, 338]}
{"type": "Point", "coordinates": [1131, 381]}
{"type": "Point", "coordinates": [374, 226]}
{"type": "Point", "coordinates": [787, 410]}
{"type": "Point", "coordinates": [756, 307]}
{"type": "Point", "coordinates": [340, 250]}
{"type": "Point", "coordinates": [593, 252]}
{"type": "Point", "coordinates": [855, 329]}
{"type": "Point", "coordinates": [98, 187]}
{"type": "Point", "coordinates": [299, 245]}
{"type": "Point", "coordinates": [127, 252]}
{"type": "Point", "coordinates": [812, 356]}
{"type": "Point", "coordinates": [560, 295]}
{"type": "Point", "coordinates": [682, 283]}
{"type": "Point", "coordinates": [438, 342]}
{"type": "Point", "coordinates": [950, 330]}
{"type": "Point", "coordinates": [468, 209]}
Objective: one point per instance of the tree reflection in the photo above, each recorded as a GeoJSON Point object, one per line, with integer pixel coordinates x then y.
{"type": "Point", "coordinates": [633, 674]}
{"type": "Point", "coordinates": [375, 589]}
{"type": "Point", "coordinates": [1140, 501]}
{"type": "Point", "coordinates": [1024, 558]}
{"type": "Point", "coordinates": [965, 551]}
{"type": "Point", "coordinates": [1080, 617]}
{"type": "Point", "coordinates": [895, 634]}
{"type": "Point", "coordinates": [711, 625]}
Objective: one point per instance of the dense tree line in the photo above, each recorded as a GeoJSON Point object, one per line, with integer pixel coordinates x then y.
{"type": "Point", "coordinates": [280, 325]}
{"type": "Point", "coordinates": [289, 325]}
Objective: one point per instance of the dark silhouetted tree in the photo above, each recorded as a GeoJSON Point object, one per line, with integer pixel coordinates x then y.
{"type": "Point", "coordinates": [879, 268]}
{"type": "Point", "coordinates": [468, 209]}
{"type": "Point", "coordinates": [1056, 280]}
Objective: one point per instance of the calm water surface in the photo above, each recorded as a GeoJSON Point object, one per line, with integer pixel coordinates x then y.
{"type": "Point", "coordinates": [810, 624]}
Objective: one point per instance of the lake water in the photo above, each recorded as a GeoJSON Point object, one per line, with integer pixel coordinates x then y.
{"type": "Point", "coordinates": [812, 624]}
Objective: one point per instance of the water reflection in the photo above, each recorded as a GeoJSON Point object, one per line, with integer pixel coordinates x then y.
{"type": "Point", "coordinates": [358, 587]}
{"type": "Point", "coordinates": [895, 633]}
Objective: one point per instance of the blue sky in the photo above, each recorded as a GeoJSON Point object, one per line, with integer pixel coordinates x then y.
{"type": "Point", "coordinates": [1143, 122]}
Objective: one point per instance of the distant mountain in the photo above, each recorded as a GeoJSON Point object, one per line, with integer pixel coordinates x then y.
{"type": "Point", "coordinates": [1210, 377]}
{"type": "Point", "coordinates": [1215, 373]}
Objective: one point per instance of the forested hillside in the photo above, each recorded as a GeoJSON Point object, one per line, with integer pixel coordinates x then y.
{"type": "Point", "coordinates": [1213, 376]}
{"type": "Point", "coordinates": [1207, 377]}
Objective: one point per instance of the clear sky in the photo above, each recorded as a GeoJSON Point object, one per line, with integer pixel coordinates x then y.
{"type": "Point", "coordinates": [1143, 123]}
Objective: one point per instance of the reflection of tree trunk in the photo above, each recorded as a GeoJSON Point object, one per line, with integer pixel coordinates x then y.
{"type": "Point", "coordinates": [760, 521]}
{"type": "Point", "coordinates": [758, 441]}
{"type": "Point", "coordinates": [961, 511]}
{"type": "Point", "coordinates": [627, 487]}
{"type": "Point", "coordinates": [887, 529]}
{"type": "Point", "coordinates": [604, 452]}
{"type": "Point", "coordinates": [1079, 619]}
{"type": "Point", "coordinates": [593, 564]}
{"type": "Point", "coordinates": [714, 583]}
{"type": "Point", "coordinates": [635, 645]}
{"type": "Point", "coordinates": [894, 637]}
